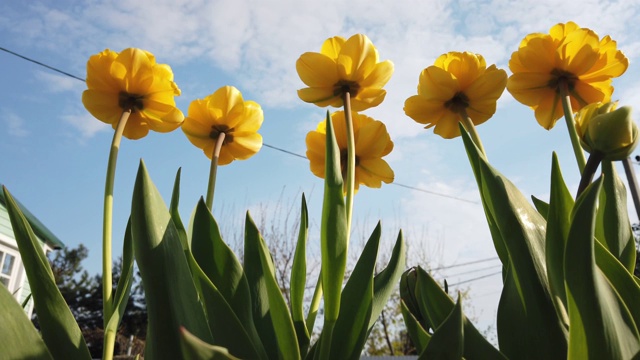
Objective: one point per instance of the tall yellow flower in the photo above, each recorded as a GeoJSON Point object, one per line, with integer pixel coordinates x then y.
{"type": "Point", "coordinates": [570, 60]}
{"type": "Point", "coordinates": [459, 84]}
{"type": "Point", "coordinates": [344, 66]}
{"type": "Point", "coordinates": [372, 143]}
{"type": "Point", "coordinates": [226, 112]}
{"type": "Point", "coordinates": [132, 80]}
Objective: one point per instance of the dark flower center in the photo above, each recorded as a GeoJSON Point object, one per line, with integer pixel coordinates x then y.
{"type": "Point", "coordinates": [344, 86]}
{"type": "Point", "coordinates": [457, 103]}
{"type": "Point", "coordinates": [131, 102]}
{"type": "Point", "coordinates": [217, 129]}
{"type": "Point", "coordinates": [562, 78]}
{"type": "Point", "coordinates": [343, 163]}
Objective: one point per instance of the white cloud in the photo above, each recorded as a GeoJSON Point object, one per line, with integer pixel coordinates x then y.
{"type": "Point", "coordinates": [58, 83]}
{"type": "Point", "coordinates": [15, 124]}
{"type": "Point", "coordinates": [86, 124]}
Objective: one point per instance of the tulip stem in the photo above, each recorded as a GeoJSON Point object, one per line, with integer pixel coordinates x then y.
{"type": "Point", "coordinates": [595, 158]}
{"type": "Point", "coordinates": [571, 126]}
{"type": "Point", "coordinates": [214, 169]}
{"type": "Point", "coordinates": [633, 184]}
{"type": "Point", "coordinates": [107, 224]}
{"type": "Point", "coordinates": [351, 160]}
{"type": "Point", "coordinates": [471, 129]}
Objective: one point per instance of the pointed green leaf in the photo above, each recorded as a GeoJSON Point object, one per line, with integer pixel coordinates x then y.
{"type": "Point", "coordinates": [257, 286]}
{"type": "Point", "coordinates": [221, 265]}
{"type": "Point", "coordinates": [541, 206]}
{"type": "Point", "coordinates": [419, 336]}
{"type": "Point", "coordinates": [600, 325]}
{"type": "Point", "coordinates": [196, 349]}
{"type": "Point", "coordinates": [172, 300]}
{"type": "Point", "coordinates": [20, 340]}
{"type": "Point", "coordinates": [281, 320]}
{"type": "Point", "coordinates": [613, 227]}
{"type": "Point", "coordinates": [558, 223]}
{"type": "Point", "coordinates": [351, 329]}
{"type": "Point", "coordinates": [522, 235]}
{"type": "Point", "coordinates": [333, 230]}
{"type": "Point", "coordinates": [447, 342]}
{"type": "Point", "coordinates": [299, 280]}
{"type": "Point", "coordinates": [175, 214]}
{"type": "Point", "coordinates": [59, 329]}
{"type": "Point", "coordinates": [621, 280]}
{"type": "Point", "coordinates": [385, 282]}
{"type": "Point", "coordinates": [227, 330]}
{"type": "Point", "coordinates": [437, 305]}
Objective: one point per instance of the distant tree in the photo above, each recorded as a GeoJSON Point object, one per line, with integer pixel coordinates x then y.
{"type": "Point", "coordinates": [83, 294]}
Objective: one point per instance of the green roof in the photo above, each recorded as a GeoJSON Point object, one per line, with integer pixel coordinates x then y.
{"type": "Point", "coordinates": [38, 228]}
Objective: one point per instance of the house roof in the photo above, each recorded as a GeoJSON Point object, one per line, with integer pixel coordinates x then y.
{"type": "Point", "coordinates": [38, 228]}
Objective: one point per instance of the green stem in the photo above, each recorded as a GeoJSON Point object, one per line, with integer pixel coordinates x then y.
{"type": "Point", "coordinates": [351, 160]}
{"type": "Point", "coordinates": [214, 169]}
{"type": "Point", "coordinates": [589, 170]}
{"type": "Point", "coordinates": [471, 129]}
{"type": "Point", "coordinates": [107, 224]}
{"type": "Point", "coordinates": [633, 184]}
{"type": "Point", "coordinates": [315, 304]}
{"type": "Point", "coordinates": [325, 344]}
{"type": "Point", "coordinates": [571, 126]}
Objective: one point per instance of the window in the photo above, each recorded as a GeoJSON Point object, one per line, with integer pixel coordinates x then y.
{"type": "Point", "coordinates": [7, 265]}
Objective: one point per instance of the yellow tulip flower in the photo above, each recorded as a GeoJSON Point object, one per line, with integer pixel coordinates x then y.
{"type": "Point", "coordinates": [372, 143]}
{"type": "Point", "coordinates": [458, 84]}
{"type": "Point", "coordinates": [570, 60]}
{"type": "Point", "coordinates": [132, 80]}
{"type": "Point", "coordinates": [344, 66]}
{"type": "Point", "coordinates": [226, 112]}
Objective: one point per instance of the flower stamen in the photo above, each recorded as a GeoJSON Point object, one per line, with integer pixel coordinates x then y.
{"type": "Point", "coordinates": [458, 103]}
{"type": "Point", "coordinates": [132, 102]}
{"type": "Point", "coordinates": [217, 129]}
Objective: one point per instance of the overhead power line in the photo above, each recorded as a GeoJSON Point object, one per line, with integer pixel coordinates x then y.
{"type": "Point", "coordinates": [464, 264]}
{"type": "Point", "coordinates": [266, 145]}
{"type": "Point", "coordinates": [475, 278]}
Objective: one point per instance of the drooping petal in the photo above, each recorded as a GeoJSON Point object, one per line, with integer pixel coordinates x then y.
{"type": "Point", "coordinates": [317, 70]}
{"type": "Point", "coordinates": [102, 105]}
{"type": "Point", "coordinates": [424, 110]}
{"type": "Point", "coordinates": [244, 145]}
{"type": "Point", "coordinates": [320, 96]}
{"type": "Point", "coordinates": [447, 126]}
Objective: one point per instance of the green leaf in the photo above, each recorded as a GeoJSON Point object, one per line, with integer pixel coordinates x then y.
{"type": "Point", "coordinates": [298, 281]}
{"type": "Point", "coordinates": [526, 297]}
{"type": "Point", "coordinates": [175, 214]}
{"type": "Point", "coordinates": [172, 300]}
{"type": "Point", "coordinates": [385, 282]}
{"type": "Point", "coordinates": [558, 223]}
{"type": "Point", "coordinates": [333, 231]}
{"type": "Point", "coordinates": [437, 305]}
{"type": "Point", "coordinates": [20, 340]}
{"type": "Point", "coordinates": [351, 329]}
{"type": "Point", "coordinates": [447, 342]}
{"type": "Point", "coordinates": [621, 280]}
{"type": "Point", "coordinates": [60, 331]}
{"type": "Point", "coordinates": [282, 324]}
{"type": "Point", "coordinates": [613, 227]}
{"type": "Point", "coordinates": [227, 330]}
{"type": "Point", "coordinates": [600, 324]}
{"type": "Point", "coordinates": [541, 206]}
{"type": "Point", "coordinates": [221, 265]}
{"type": "Point", "coordinates": [257, 286]}
{"type": "Point", "coordinates": [123, 289]}
{"type": "Point", "coordinates": [196, 349]}
{"type": "Point", "coordinates": [419, 336]}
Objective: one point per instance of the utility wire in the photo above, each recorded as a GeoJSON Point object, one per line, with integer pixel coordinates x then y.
{"type": "Point", "coordinates": [476, 278]}
{"type": "Point", "coordinates": [471, 271]}
{"type": "Point", "coordinates": [266, 145]}
{"type": "Point", "coordinates": [464, 264]}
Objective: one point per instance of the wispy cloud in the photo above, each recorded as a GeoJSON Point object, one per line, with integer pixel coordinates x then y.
{"type": "Point", "coordinates": [16, 126]}
{"type": "Point", "coordinates": [86, 124]}
{"type": "Point", "coordinates": [59, 83]}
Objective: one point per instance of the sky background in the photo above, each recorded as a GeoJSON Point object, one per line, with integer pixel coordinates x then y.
{"type": "Point", "coordinates": [54, 153]}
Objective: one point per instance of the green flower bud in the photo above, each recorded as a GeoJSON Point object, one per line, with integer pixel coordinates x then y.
{"type": "Point", "coordinates": [604, 129]}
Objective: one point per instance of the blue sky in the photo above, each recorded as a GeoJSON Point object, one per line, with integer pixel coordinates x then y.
{"type": "Point", "coordinates": [55, 153]}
